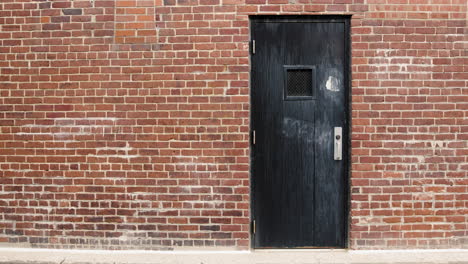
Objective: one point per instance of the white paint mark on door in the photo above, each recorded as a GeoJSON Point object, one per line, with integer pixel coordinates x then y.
{"type": "Point", "coordinates": [332, 84]}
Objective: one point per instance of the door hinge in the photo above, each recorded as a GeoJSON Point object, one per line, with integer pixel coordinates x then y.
{"type": "Point", "coordinates": [253, 137]}
{"type": "Point", "coordinates": [253, 46]}
{"type": "Point", "coordinates": [254, 227]}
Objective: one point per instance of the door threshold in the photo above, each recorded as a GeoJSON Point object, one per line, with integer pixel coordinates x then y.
{"type": "Point", "coordinates": [311, 249]}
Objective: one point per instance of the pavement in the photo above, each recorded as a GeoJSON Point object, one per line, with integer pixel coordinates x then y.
{"type": "Point", "coordinates": [331, 256]}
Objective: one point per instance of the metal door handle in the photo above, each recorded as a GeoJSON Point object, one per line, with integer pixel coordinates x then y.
{"type": "Point", "coordinates": [338, 146]}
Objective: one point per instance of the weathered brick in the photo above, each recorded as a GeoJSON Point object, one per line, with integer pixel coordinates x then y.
{"type": "Point", "coordinates": [129, 119]}
{"type": "Point", "coordinates": [72, 11]}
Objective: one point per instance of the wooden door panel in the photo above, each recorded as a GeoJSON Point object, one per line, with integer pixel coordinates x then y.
{"type": "Point", "coordinates": [299, 94]}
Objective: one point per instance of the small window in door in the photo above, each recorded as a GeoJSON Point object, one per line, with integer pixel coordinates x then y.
{"type": "Point", "coordinates": [299, 82]}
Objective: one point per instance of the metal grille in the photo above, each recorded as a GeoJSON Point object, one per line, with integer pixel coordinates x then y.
{"type": "Point", "coordinates": [299, 82]}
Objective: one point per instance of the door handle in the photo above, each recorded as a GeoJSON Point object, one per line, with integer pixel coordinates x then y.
{"type": "Point", "coordinates": [338, 146]}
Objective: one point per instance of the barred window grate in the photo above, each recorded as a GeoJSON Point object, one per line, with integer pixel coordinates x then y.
{"type": "Point", "coordinates": [299, 82]}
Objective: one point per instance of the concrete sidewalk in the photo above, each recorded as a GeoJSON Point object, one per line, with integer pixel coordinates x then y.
{"type": "Point", "coordinates": [43, 256]}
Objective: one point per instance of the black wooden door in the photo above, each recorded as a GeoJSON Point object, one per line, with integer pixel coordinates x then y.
{"type": "Point", "coordinates": [299, 83]}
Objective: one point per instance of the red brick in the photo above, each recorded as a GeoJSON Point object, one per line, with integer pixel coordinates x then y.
{"type": "Point", "coordinates": [116, 115]}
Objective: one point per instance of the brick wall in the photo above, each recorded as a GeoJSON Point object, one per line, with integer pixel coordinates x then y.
{"type": "Point", "coordinates": [124, 124]}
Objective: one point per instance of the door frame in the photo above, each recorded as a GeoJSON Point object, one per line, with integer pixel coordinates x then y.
{"type": "Point", "coordinates": [346, 19]}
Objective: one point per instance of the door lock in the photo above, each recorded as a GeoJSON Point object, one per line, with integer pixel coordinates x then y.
{"type": "Point", "coordinates": [338, 146]}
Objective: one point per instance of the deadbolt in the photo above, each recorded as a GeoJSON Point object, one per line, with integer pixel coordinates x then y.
{"type": "Point", "coordinates": [338, 137]}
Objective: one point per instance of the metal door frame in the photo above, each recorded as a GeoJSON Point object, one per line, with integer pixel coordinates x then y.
{"type": "Point", "coordinates": [346, 19]}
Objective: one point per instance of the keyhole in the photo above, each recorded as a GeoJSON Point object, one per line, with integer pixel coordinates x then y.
{"type": "Point", "coordinates": [338, 137]}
